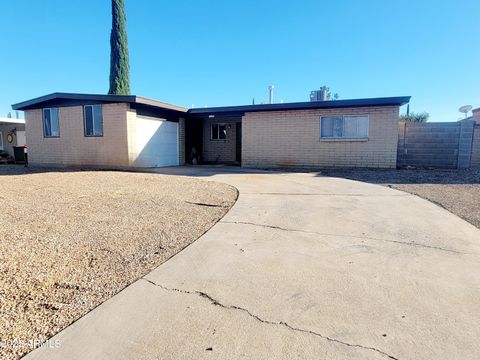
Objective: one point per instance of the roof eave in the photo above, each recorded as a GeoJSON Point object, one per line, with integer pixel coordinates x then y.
{"type": "Point", "coordinates": [390, 101]}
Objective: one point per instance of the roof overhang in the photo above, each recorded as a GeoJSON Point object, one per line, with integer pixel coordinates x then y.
{"type": "Point", "coordinates": [11, 121]}
{"type": "Point", "coordinates": [330, 104]}
{"type": "Point", "coordinates": [153, 106]}
{"type": "Point", "coordinates": [71, 99]}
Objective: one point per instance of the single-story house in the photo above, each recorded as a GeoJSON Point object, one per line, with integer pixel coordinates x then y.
{"type": "Point", "coordinates": [132, 131]}
{"type": "Point", "coordinates": [12, 133]}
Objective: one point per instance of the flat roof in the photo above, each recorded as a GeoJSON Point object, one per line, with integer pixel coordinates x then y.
{"type": "Point", "coordinates": [329, 104]}
{"type": "Point", "coordinates": [72, 97]}
{"type": "Point", "coordinates": [11, 121]}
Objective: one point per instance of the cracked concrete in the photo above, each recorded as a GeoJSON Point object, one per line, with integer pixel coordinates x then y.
{"type": "Point", "coordinates": [376, 275]}
{"type": "Point", "coordinates": [275, 323]}
{"type": "Point", "coordinates": [343, 236]}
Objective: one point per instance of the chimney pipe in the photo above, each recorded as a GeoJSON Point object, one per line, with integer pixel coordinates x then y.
{"type": "Point", "coordinates": [270, 94]}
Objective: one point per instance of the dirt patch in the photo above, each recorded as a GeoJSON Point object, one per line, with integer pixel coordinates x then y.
{"type": "Point", "coordinates": [71, 240]}
{"type": "Point", "coordinates": [458, 191]}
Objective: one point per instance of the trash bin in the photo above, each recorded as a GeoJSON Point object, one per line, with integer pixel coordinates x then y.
{"type": "Point", "coordinates": [19, 154]}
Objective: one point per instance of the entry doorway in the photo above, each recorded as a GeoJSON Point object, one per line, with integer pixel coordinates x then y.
{"type": "Point", "coordinates": [238, 143]}
{"type": "Point", "coordinates": [193, 140]}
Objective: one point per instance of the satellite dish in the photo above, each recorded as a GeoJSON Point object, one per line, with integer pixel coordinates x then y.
{"type": "Point", "coordinates": [465, 109]}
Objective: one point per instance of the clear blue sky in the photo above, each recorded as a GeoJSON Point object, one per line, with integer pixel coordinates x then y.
{"type": "Point", "coordinates": [227, 52]}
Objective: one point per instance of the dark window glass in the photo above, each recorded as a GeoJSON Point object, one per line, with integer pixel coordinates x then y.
{"type": "Point", "coordinates": [219, 131]}
{"type": "Point", "coordinates": [88, 121]}
{"type": "Point", "coordinates": [214, 131]}
{"type": "Point", "coordinates": [46, 122]}
{"type": "Point", "coordinates": [222, 132]}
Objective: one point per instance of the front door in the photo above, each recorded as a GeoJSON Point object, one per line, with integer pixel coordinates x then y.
{"type": "Point", "coordinates": [238, 142]}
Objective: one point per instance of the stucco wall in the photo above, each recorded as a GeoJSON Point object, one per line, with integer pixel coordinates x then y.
{"type": "Point", "coordinates": [72, 147]}
{"type": "Point", "coordinates": [292, 138]}
{"type": "Point", "coordinates": [222, 151]}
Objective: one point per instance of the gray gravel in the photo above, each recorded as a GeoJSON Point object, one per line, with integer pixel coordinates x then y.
{"type": "Point", "coordinates": [71, 240]}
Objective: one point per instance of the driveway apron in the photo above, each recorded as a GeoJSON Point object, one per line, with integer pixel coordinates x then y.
{"type": "Point", "coordinates": [302, 266]}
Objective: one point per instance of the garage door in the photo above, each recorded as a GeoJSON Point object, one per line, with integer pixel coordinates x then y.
{"type": "Point", "coordinates": [156, 142]}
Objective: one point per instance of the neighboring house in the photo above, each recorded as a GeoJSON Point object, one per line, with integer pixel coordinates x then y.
{"type": "Point", "coordinates": [476, 115]}
{"type": "Point", "coordinates": [12, 133]}
{"type": "Point", "coordinates": [123, 131]}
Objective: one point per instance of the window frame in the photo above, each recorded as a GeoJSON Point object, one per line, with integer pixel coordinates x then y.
{"type": "Point", "coordinates": [93, 120]}
{"type": "Point", "coordinates": [218, 132]}
{"type": "Point", "coordinates": [344, 138]}
{"type": "Point", "coordinates": [1, 141]}
{"type": "Point", "coordinates": [43, 122]}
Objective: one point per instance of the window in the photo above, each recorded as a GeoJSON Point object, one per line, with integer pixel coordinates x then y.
{"type": "Point", "coordinates": [93, 120]}
{"type": "Point", "coordinates": [344, 127]}
{"type": "Point", "coordinates": [219, 132]}
{"type": "Point", "coordinates": [1, 140]}
{"type": "Point", "coordinates": [50, 123]}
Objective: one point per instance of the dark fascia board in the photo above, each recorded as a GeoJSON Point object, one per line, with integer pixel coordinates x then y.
{"type": "Point", "coordinates": [331, 104]}
{"type": "Point", "coordinates": [71, 98]}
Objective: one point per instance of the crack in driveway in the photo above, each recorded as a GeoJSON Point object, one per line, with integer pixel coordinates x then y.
{"type": "Point", "coordinates": [350, 236]}
{"type": "Point", "coordinates": [269, 322]}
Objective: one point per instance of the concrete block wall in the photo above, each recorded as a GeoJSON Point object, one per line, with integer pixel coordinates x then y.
{"type": "Point", "coordinates": [72, 147]}
{"type": "Point", "coordinates": [475, 160]}
{"type": "Point", "coordinates": [439, 145]}
{"type": "Point", "coordinates": [292, 138]}
{"type": "Point", "coordinates": [465, 139]}
{"type": "Point", "coordinates": [223, 151]}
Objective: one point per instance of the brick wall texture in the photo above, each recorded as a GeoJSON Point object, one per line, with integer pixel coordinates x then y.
{"type": "Point", "coordinates": [222, 151]}
{"type": "Point", "coordinates": [72, 147]}
{"type": "Point", "coordinates": [292, 138]}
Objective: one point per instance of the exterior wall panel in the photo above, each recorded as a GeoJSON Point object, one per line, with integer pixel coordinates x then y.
{"type": "Point", "coordinates": [72, 148]}
{"type": "Point", "coordinates": [292, 138]}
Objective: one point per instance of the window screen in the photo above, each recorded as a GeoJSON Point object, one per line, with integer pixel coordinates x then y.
{"type": "Point", "coordinates": [344, 127]}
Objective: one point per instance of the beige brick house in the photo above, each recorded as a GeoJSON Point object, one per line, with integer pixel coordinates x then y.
{"type": "Point", "coordinates": [131, 131]}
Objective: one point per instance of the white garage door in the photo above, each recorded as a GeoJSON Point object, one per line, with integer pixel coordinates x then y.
{"type": "Point", "coordinates": [156, 142]}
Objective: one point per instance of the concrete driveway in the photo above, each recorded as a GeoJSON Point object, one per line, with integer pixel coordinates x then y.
{"type": "Point", "coordinates": [302, 266]}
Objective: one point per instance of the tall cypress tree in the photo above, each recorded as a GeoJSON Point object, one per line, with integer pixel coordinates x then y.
{"type": "Point", "coordinates": [119, 64]}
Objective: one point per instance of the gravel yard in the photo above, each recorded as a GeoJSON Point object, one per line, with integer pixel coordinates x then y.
{"type": "Point", "coordinates": [71, 240]}
{"type": "Point", "coordinates": [458, 191]}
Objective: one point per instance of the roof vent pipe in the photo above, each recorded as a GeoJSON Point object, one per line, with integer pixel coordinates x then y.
{"type": "Point", "coordinates": [270, 94]}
